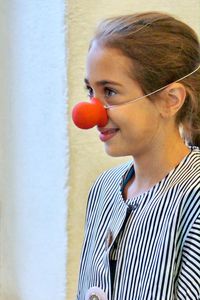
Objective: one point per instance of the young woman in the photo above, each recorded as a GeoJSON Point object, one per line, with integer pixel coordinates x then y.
{"type": "Point", "coordinates": [142, 235]}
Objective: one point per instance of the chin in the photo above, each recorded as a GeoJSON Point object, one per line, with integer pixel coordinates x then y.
{"type": "Point", "coordinates": [114, 152]}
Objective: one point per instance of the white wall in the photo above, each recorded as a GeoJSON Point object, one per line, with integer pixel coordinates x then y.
{"type": "Point", "coordinates": [33, 152]}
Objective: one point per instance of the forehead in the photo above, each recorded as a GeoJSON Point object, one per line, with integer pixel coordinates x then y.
{"type": "Point", "coordinates": [104, 61]}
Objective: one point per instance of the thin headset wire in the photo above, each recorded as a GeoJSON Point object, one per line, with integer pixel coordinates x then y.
{"type": "Point", "coordinates": [107, 106]}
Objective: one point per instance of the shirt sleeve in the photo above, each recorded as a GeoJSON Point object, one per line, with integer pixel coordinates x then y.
{"type": "Point", "coordinates": [188, 283]}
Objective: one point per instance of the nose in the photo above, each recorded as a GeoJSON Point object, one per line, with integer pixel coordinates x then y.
{"type": "Point", "coordinates": [86, 115]}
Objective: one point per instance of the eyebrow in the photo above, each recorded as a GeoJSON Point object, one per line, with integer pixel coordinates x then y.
{"type": "Point", "coordinates": [103, 82]}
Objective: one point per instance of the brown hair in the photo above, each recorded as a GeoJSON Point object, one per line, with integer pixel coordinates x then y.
{"type": "Point", "coordinates": [163, 49]}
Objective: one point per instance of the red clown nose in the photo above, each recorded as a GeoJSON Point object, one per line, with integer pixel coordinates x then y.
{"type": "Point", "coordinates": [89, 114]}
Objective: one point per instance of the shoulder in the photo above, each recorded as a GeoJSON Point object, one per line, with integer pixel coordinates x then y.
{"type": "Point", "coordinates": [195, 154]}
{"type": "Point", "coordinates": [189, 171]}
{"type": "Point", "coordinates": [189, 189]}
{"type": "Point", "coordinates": [193, 159]}
{"type": "Point", "coordinates": [190, 174]}
{"type": "Point", "coordinates": [112, 175]}
{"type": "Point", "coordinates": [107, 183]}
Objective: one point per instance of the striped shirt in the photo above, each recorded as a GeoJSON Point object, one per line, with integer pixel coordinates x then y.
{"type": "Point", "coordinates": [154, 238]}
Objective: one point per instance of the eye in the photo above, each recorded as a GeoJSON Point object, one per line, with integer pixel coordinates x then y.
{"type": "Point", "coordinates": [108, 92]}
{"type": "Point", "coordinates": [89, 91]}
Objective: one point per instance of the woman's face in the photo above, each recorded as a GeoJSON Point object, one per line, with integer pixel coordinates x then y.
{"type": "Point", "coordinates": [133, 128]}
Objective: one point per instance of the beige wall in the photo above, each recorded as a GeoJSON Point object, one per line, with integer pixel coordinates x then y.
{"type": "Point", "coordinates": [87, 157]}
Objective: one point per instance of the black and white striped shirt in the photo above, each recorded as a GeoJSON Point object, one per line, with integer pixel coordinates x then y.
{"type": "Point", "coordinates": [156, 245]}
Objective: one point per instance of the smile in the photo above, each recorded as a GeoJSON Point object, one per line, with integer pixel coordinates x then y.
{"type": "Point", "coordinates": [107, 134]}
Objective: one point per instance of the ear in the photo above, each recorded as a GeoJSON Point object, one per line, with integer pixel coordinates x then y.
{"type": "Point", "coordinates": [173, 98]}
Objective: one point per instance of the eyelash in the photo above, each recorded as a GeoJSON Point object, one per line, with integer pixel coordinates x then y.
{"type": "Point", "coordinates": [90, 91]}
{"type": "Point", "coordinates": [106, 90]}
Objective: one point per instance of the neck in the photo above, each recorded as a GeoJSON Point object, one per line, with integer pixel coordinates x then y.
{"type": "Point", "coordinates": [153, 166]}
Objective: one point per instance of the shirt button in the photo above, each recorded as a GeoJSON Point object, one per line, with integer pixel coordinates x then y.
{"type": "Point", "coordinates": [94, 297]}
{"type": "Point", "coordinates": [95, 293]}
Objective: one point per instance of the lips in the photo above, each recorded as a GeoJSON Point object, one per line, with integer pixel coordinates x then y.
{"type": "Point", "coordinates": [107, 133]}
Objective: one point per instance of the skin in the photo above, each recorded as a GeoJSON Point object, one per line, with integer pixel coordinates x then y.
{"type": "Point", "coordinates": [145, 129]}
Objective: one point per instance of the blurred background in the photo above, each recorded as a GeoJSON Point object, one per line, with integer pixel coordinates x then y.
{"type": "Point", "coordinates": [47, 165]}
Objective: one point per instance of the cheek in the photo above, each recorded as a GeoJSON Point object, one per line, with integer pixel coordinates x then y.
{"type": "Point", "coordinates": [134, 118]}
{"type": "Point", "coordinates": [138, 125]}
